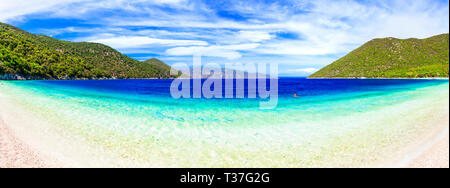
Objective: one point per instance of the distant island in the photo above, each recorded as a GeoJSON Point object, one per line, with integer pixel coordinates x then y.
{"type": "Point", "coordinates": [393, 58]}
{"type": "Point", "coordinates": [26, 56]}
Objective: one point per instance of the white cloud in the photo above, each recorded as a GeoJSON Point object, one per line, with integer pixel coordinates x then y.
{"type": "Point", "coordinates": [300, 48]}
{"type": "Point", "coordinates": [139, 41]}
{"type": "Point", "coordinates": [228, 51]}
{"type": "Point", "coordinates": [324, 28]}
{"type": "Point", "coordinates": [329, 27]}
{"type": "Point", "coordinates": [14, 9]}
{"type": "Point", "coordinates": [304, 70]}
{"type": "Point", "coordinates": [172, 2]}
{"type": "Point", "coordinates": [253, 36]}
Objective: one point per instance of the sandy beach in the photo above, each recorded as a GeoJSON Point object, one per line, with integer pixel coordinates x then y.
{"type": "Point", "coordinates": [435, 156]}
{"type": "Point", "coordinates": [25, 143]}
{"type": "Point", "coordinates": [14, 153]}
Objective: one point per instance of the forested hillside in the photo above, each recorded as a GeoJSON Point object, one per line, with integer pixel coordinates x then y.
{"type": "Point", "coordinates": [393, 58]}
{"type": "Point", "coordinates": [27, 56]}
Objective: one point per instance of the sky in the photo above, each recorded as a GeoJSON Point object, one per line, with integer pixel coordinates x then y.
{"type": "Point", "coordinates": [301, 36]}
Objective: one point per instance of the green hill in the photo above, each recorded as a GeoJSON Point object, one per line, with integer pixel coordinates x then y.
{"type": "Point", "coordinates": [30, 56]}
{"type": "Point", "coordinates": [159, 65]}
{"type": "Point", "coordinates": [393, 58]}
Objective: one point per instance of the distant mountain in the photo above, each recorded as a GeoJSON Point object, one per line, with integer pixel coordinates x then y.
{"type": "Point", "coordinates": [158, 64]}
{"type": "Point", "coordinates": [235, 73]}
{"type": "Point", "coordinates": [393, 58]}
{"type": "Point", "coordinates": [27, 56]}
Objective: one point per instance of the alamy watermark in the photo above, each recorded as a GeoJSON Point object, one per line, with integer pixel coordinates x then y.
{"type": "Point", "coordinates": [214, 81]}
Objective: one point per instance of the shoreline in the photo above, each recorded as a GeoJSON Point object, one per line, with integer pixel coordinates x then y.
{"type": "Point", "coordinates": [351, 78]}
{"type": "Point", "coordinates": [434, 154]}
{"type": "Point", "coordinates": [20, 137]}
{"type": "Point", "coordinates": [16, 153]}
{"type": "Point", "coordinates": [88, 79]}
{"type": "Point", "coordinates": [18, 148]}
{"type": "Point", "coordinates": [343, 78]}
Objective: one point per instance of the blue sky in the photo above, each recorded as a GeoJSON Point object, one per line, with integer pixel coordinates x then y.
{"type": "Point", "coordinates": [302, 36]}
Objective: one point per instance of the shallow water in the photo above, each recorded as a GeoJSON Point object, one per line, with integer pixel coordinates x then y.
{"type": "Point", "coordinates": [331, 123]}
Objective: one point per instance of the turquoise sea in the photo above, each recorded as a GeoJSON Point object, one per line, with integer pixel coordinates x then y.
{"type": "Point", "coordinates": [137, 123]}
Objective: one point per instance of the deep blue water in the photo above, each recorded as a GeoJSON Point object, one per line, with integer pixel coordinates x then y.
{"type": "Point", "coordinates": [286, 86]}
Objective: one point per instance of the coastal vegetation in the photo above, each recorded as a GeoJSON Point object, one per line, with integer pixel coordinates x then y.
{"type": "Point", "coordinates": [393, 58]}
{"type": "Point", "coordinates": [27, 56]}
